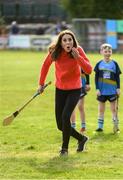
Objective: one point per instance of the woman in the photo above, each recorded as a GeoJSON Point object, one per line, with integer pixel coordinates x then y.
{"type": "Point", "coordinates": [69, 58]}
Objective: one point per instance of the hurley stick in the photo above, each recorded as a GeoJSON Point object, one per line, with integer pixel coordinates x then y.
{"type": "Point", "coordinates": [8, 120]}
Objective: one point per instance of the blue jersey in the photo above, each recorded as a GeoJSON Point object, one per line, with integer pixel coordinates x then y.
{"type": "Point", "coordinates": [107, 77]}
{"type": "Point", "coordinates": [85, 79]}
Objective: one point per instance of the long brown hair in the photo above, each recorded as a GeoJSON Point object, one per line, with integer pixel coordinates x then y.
{"type": "Point", "coordinates": [55, 49]}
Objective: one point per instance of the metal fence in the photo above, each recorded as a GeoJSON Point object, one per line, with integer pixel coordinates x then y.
{"type": "Point", "coordinates": [90, 32]}
{"type": "Point", "coordinates": [32, 11]}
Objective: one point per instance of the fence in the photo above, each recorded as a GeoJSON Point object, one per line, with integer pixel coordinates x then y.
{"type": "Point", "coordinates": [32, 11]}
{"type": "Point", "coordinates": [36, 42]}
{"type": "Point", "coordinates": [93, 32]}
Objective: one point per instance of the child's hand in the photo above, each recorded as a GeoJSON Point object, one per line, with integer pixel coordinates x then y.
{"type": "Point", "coordinates": [118, 92]}
{"type": "Point", "coordinates": [87, 87]}
{"type": "Point", "coordinates": [98, 92]}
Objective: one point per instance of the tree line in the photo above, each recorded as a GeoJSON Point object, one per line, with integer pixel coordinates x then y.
{"type": "Point", "coordinates": [105, 9]}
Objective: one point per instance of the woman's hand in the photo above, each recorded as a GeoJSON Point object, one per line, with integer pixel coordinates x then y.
{"type": "Point", "coordinates": [40, 89]}
{"type": "Point", "coordinates": [75, 53]}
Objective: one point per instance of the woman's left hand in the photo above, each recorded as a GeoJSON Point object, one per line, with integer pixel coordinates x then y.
{"type": "Point", "coordinates": [75, 53]}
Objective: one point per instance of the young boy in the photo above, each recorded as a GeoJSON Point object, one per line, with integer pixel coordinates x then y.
{"type": "Point", "coordinates": [85, 79]}
{"type": "Point", "coordinates": [107, 82]}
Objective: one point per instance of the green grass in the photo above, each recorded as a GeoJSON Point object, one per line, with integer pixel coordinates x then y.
{"type": "Point", "coordinates": [29, 146]}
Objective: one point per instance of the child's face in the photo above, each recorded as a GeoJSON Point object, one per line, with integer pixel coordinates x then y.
{"type": "Point", "coordinates": [67, 42]}
{"type": "Point", "coordinates": [106, 52]}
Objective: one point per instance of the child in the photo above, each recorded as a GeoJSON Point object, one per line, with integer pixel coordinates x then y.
{"type": "Point", "coordinates": [85, 79]}
{"type": "Point", "coordinates": [107, 81]}
{"type": "Point", "coordinates": [68, 58]}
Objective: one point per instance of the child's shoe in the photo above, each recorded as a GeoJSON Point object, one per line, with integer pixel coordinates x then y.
{"type": "Point", "coordinates": [99, 130]}
{"type": "Point", "coordinates": [116, 129]}
{"type": "Point", "coordinates": [82, 130]}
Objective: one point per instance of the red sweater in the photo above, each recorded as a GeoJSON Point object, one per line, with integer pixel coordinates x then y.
{"type": "Point", "coordinates": [67, 70]}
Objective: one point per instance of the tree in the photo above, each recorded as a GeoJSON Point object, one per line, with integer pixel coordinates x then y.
{"type": "Point", "coordinates": [108, 9]}
{"type": "Point", "coordinates": [2, 26]}
{"type": "Point", "coordinates": [78, 8]}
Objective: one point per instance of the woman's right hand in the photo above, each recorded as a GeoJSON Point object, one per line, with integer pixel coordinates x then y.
{"type": "Point", "coordinates": [40, 89]}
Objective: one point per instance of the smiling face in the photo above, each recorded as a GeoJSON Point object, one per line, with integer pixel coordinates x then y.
{"type": "Point", "coordinates": [106, 52]}
{"type": "Point", "coordinates": [67, 42]}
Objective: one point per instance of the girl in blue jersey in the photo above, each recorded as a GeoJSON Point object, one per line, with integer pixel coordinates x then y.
{"type": "Point", "coordinates": [107, 82]}
{"type": "Point", "coordinates": [85, 79]}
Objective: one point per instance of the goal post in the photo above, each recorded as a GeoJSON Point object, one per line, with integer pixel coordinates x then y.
{"type": "Point", "coordinates": [91, 33]}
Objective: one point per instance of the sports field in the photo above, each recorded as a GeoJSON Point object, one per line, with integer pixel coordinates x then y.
{"type": "Point", "coordinates": [29, 147]}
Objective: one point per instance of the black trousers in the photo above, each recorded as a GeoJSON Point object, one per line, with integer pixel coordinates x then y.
{"type": "Point", "coordinates": [65, 102]}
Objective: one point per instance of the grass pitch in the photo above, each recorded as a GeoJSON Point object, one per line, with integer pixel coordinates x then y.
{"type": "Point", "coordinates": [29, 146]}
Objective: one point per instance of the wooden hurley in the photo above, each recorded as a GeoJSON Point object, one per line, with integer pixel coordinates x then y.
{"type": "Point", "coordinates": [8, 120]}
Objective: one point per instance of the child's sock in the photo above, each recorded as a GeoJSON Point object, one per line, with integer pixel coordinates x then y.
{"type": "Point", "coordinates": [73, 125]}
{"type": "Point", "coordinates": [100, 123]}
{"type": "Point", "coordinates": [83, 125]}
{"type": "Point", "coordinates": [115, 121]}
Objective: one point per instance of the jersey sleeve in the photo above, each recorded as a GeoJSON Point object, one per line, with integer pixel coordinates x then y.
{"type": "Point", "coordinates": [118, 72]}
{"type": "Point", "coordinates": [87, 79]}
{"type": "Point", "coordinates": [96, 69]}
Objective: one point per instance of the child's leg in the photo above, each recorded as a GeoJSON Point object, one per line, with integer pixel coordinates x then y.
{"type": "Point", "coordinates": [73, 119]}
{"type": "Point", "coordinates": [114, 115]}
{"type": "Point", "coordinates": [101, 110]}
{"type": "Point", "coordinates": [82, 114]}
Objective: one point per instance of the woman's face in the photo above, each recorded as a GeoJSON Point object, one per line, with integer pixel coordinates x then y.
{"type": "Point", "coordinates": [67, 42]}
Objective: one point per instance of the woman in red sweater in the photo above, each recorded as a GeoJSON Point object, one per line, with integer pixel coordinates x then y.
{"type": "Point", "coordinates": [69, 58]}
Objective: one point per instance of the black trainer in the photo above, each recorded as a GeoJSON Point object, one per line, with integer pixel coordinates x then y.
{"type": "Point", "coordinates": [99, 130]}
{"type": "Point", "coordinates": [63, 152]}
{"type": "Point", "coordinates": [81, 144]}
